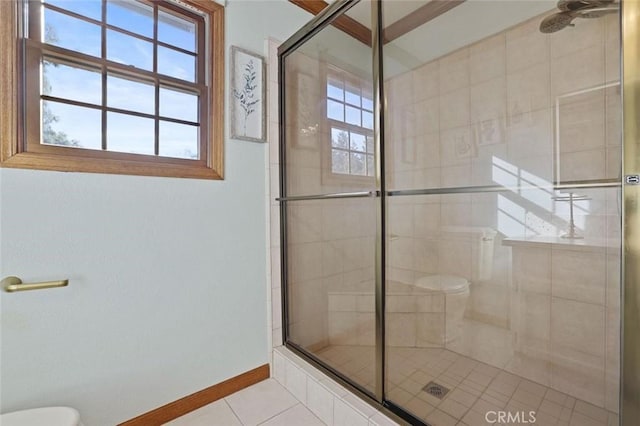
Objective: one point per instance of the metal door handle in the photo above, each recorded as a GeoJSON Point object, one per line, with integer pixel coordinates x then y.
{"type": "Point", "coordinates": [12, 284]}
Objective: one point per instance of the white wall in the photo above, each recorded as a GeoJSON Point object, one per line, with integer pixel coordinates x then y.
{"type": "Point", "coordinates": [167, 290]}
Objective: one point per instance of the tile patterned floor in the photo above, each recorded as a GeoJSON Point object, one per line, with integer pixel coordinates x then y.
{"type": "Point", "coordinates": [475, 388]}
{"type": "Point", "coordinates": [266, 403]}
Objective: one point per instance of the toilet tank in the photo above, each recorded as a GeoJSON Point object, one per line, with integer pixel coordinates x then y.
{"type": "Point", "coordinates": [482, 243]}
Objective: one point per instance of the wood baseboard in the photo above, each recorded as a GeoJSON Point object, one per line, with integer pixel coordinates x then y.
{"type": "Point", "coordinates": [185, 405]}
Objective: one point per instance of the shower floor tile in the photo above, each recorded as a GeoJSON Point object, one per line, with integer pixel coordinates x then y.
{"type": "Point", "coordinates": [475, 388]}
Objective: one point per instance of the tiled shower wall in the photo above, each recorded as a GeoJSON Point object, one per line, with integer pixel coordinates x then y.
{"type": "Point", "coordinates": [486, 115]}
{"type": "Point", "coordinates": [273, 212]}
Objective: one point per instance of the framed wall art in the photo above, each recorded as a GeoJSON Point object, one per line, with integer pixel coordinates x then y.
{"type": "Point", "coordinates": [248, 96]}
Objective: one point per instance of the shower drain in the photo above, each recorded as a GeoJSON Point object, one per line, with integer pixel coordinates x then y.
{"type": "Point", "coordinates": [435, 389]}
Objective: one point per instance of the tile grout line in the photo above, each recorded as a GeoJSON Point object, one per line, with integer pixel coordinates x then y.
{"type": "Point", "coordinates": [283, 411]}
{"type": "Point", "coordinates": [233, 411]}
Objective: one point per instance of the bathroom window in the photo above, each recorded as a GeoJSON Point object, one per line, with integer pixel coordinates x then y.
{"type": "Point", "coordinates": [350, 118]}
{"type": "Point", "coordinates": [122, 86]}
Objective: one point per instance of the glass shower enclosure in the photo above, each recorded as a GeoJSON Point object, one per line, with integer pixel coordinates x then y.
{"type": "Point", "coordinates": [452, 200]}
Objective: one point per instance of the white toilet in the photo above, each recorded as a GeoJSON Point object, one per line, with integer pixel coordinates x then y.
{"type": "Point", "coordinates": [455, 289]}
{"type": "Point", "coordinates": [47, 416]}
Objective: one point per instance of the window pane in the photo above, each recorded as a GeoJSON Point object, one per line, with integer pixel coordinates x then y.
{"type": "Point", "coordinates": [176, 31]}
{"type": "Point", "coordinates": [131, 15]}
{"type": "Point", "coordinates": [89, 8]}
{"type": "Point", "coordinates": [339, 138]}
{"type": "Point", "coordinates": [352, 97]}
{"type": "Point", "coordinates": [358, 142]}
{"type": "Point", "coordinates": [358, 165]}
{"type": "Point", "coordinates": [178, 140]}
{"type": "Point", "coordinates": [367, 103]}
{"type": "Point", "coordinates": [370, 146]}
{"type": "Point", "coordinates": [339, 161]}
{"type": "Point", "coordinates": [176, 64]}
{"type": "Point", "coordinates": [129, 50]}
{"type": "Point", "coordinates": [62, 30]}
{"type": "Point", "coordinates": [352, 115]}
{"type": "Point", "coordinates": [130, 95]}
{"type": "Point", "coordinates": [73, 83]}
{"type": "Point", "coordinates": [367, 120]}
{"type": "Point", "coordinates": [174, 104]}
{"type": "Point", "coordinates": [127, 133]}
{"type": "Point", "coordinates": [69, 125]}
{"type": "Point", "coordinates": [370, 165]}
{"type": "Point", "coordinates": [334, 90]}
{"type": "Point", "coordinates": [335, 110]}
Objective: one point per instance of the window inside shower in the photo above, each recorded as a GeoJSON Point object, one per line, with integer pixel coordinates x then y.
{"type": "Point", "coordinates": [479, 272]}
{"type": "Point", "coordinates": [350, 119]}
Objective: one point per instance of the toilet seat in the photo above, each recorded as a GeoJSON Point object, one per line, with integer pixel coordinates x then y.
{"type": "Point", "coordinates": [47, 416]}
{"type": "Point", "coordinates": [443, 283]}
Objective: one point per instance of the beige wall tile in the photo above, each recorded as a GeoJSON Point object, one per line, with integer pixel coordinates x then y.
{"type": "Point", "coordinates": [577, 70]}
{"type": "Point", "coordinates": [430, 303]}
{"type": "Point", "coordinates": [342, 328]}
{"type": "Point", "coordinates": [578, 326]}
{"type": "Point", "coordinates": [427, 116]}
{"type": "Point", "coordinates": [533, 318]}
{"type": "Point", "coordinates": [488, 100]}
{"type": "Point", "coordinates": [401, 219]}
{"type": "Point", "coordinates": [456, 146]}
{"type": "Point", "coordinates": [398, 303]}
{"type": "Point", "coordinates": [426, 256]}
{"type": "Point", "coordinates": [526, 46]}
{"type": "Point", "coordinates": [488, 59]}
{"type": "Point", "coordinates": [531, 135]}
{"type": "Point", "coordinates": [427, 220]}
{"type": "Point", "coordinates": [582, 380]}
{"type": "Point", "coordinates": [428, 150]}
{"type": "Point", "coordinates": [303, 261]}
{"type": "Point", "coordinates": [581, 122]}
{"type": "Point", "coordinates": [583, 165]}
{"type": "Point", "coordinates": [430, 331]}
{"type": "Point", "coordinates": [532, 270]}
{"type": "Point", "coordinates": [455, 258]}
{"type": "Point", "coordinates": [401, 253]}
{"type": "Point", "coordinates": [454, 108]}
{"type": "Point", "coordinates": [528, 89]}
{"type": "Point", "coordinates": [454, 71]}
{"type": "Point", "coordinates": [426, 81]}
{"type": "Point", "coordinates": [401, 329]}
{"type": "Point", "coordinates": [579, 276]}
{"type": "Point", "coordinates": [586, 33]}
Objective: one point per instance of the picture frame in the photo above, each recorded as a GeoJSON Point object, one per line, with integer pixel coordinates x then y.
{"type": "Point", "coordinates": [490, 132]}
{"type": "Point", "coordinates": [248, 96]}
{"type": "Point", "coordinates": [463, 144]}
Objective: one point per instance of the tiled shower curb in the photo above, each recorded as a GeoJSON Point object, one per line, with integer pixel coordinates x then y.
{"type": "Point", "coordinates": [330, 401]}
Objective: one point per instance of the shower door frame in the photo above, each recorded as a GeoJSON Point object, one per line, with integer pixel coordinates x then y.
{"type": "Point", "coordinates": [630, 262]}
{"type": "Point", "coordinates": [630, 315]}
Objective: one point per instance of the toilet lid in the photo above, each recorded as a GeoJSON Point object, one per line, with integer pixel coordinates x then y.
{"type": "Point", "coordinates": [443, 283]}
{"type": "Point", "coordinates": [48, 416]}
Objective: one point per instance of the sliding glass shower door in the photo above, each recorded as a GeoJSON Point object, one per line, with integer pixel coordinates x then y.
{"type": "Point", "coordinates": [330, 224]}
{"type": "Point", "coordinates": [452, 198]}
{"type": "Point", "coordinates": [504, 144]}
